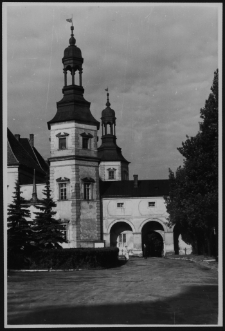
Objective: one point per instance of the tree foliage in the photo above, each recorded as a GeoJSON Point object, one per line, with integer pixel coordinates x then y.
{"type": "Point", "coordinates": [19, 228]}
{"type": "Point", "coordinates": [47, 231]}
{"type": "Point", "coordinates": [193, 200]}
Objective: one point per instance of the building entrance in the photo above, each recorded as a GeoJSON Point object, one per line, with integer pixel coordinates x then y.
{"type": "Point", "coordinates": [154, 244]}
{"type": "Point", "coordinates": [152, 240]}
{"type": "Point", "coordinates": [121, 236]}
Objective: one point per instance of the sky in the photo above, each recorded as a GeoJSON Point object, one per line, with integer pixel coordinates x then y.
{"type": "Point", "coordinates": [157, 60]}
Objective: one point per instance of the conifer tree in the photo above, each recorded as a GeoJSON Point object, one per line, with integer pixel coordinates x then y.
{"type": "Point", "coordinates": [19, 228]}
{"type": "Point", "coordinates": [47, 231]}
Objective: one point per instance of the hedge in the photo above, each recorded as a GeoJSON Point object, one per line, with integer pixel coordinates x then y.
{"type": "Point", "coordinates": [69, 258]}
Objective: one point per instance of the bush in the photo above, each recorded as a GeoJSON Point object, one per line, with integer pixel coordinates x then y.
{"type": "Point", "coordinates": [71, 258]}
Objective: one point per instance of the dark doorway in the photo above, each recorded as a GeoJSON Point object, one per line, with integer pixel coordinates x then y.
{"type": "Point", "coordinates": [152, 239]}
{"type": "Point", "coordinates": [154, 244]}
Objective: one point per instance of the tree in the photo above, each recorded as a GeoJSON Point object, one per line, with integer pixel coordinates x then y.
{"type": "Point", "coordinates": [47, 231]}
{"type": "Point", "coordinates": [193, 199]}
{"type": "Point", "coordinates": [19, 228]}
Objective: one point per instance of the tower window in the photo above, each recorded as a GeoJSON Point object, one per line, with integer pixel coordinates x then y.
{"type": "Point", "coordinates": [111, 174]}
{"type": "Point", "coordinates": [85, 141]}
{"type": "Point", "coordinates": [64, 231]}
{"type": "Point", "coordinates": [87, 191]}
{"type": "Point", "coordinates": [62, 143]}
{"type": "Point", "coordinates": [62, 191]}
{"type": "Point", "coordinates": [87, 188]}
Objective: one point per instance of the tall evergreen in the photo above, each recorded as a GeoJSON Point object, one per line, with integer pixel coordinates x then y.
{"type": "Point", "coordinates": [47, 231]}
{"type": "Point", "coordinates": [193, 199]}
{"type": "Point", "coordinates": [19, 228]}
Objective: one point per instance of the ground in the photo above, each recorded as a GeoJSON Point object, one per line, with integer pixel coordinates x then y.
{"type": "Point", "coordinates": [142, 291]}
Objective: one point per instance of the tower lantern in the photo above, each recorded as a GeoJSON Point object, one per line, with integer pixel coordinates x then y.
{"type": "Point", "coordinates": [72, 61]}
{"type": "Point", "coordinates": [113, 165]}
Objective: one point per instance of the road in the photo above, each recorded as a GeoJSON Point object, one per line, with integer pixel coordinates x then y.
{"type": "Point", "coordinates": [153, 291]}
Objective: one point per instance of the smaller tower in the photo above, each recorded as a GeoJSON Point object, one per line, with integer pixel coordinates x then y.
{"type": "Point", "coordinates": [113, 165]}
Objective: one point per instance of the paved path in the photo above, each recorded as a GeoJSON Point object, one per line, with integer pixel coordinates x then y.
{"type": "Point", "coordinates": [152, 291]}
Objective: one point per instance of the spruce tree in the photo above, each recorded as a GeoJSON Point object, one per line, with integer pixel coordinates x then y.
{"type": "Point", "coordinates": [19, 228]}
{"type": "Point", "coordinates": [47, 231]}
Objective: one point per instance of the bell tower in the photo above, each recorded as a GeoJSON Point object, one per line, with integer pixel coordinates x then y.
{"type": "Point", "coordinates": [74, 163]}
{"type": "Point", "coordinates": [113, 165]}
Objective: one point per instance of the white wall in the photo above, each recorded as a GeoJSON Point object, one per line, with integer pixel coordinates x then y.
{"type": "Point", "coordinates": [103, 172]}
{"type": "Point", "coordinates": [12, 177]}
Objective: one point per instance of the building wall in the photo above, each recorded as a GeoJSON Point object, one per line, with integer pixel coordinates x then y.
{"type": "Point", "coordinates": [74, 164]}
{"type": "Point", "coordinates": [103, 170]}
{"type": "Point", "coordinates": [136, 213]}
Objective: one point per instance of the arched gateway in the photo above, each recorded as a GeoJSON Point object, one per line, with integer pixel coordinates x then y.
{"type": "Point", "coordinates": [153, 237]}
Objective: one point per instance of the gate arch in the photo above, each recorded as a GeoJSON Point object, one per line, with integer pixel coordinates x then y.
{"type": "Point", "coordinates": [153, 238]}
{"type": "Point", "coordinates": [121, 220]}
{"type": "Point", "coordinates": [121, 235]}
{"type": "Point", "coordinates": [152, 220]}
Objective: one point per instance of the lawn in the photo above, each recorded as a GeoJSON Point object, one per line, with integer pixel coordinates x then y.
{"type": "Point", "coordinates": [154, 291]}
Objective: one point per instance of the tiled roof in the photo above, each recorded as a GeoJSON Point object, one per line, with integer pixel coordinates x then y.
{"type": "Point", "coordinates": [111, 155]}
{"type": "Point", "coordinates": [73, 107]}
{"type": "Point", "coordinates": [17, 154]}
{"type": "Point", "coordinates": [146, 188]}
{"type": "Point", "coordinates": [109, 151]}
{"type": "Point", "coordinates": [34, 154]}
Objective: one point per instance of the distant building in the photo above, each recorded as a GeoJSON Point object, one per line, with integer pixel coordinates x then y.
{"type": "Point", "coordinates": [95, 199]}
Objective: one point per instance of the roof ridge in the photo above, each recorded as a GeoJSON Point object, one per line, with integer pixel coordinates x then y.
{"type": "Point", "coordinates": [32, 147]}
{"type": "Point", "coordinates": [30, 160]}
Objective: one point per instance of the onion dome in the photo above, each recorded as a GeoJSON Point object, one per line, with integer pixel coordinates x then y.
{"type": "Point", "coordinates": [72, 50]}
{"type": "Point", "coordinates": [108, 111]}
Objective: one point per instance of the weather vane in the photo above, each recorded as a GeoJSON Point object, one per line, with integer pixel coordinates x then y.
{"type": "Point", "coordinates": [70, 20]}
{"type": "Point", "coordinates": [108, 103]}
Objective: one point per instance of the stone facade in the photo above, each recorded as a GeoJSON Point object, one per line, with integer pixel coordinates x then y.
{"type": "Point", "coordinates": [131, 218]}
{"type": "Point", "coordinates": [71, 165]}
{"type": "Point", "coordinates": [120, 169]}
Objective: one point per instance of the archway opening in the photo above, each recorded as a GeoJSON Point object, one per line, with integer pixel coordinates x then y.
{"type": "Point", "coordinates": [182, 241]}
{"type": "Point", "coordinates": [152, 239]}
{"type": "Point", "coordinates": [121, 236]}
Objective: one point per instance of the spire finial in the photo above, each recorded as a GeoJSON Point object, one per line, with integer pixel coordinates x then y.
{"type": "Point", "coordinates": [72, 40]}
{"type": "Point", "coordinates": [107, 103]}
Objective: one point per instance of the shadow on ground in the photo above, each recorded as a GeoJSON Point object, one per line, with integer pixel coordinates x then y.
{"type": "Point", "coordinates": [195, 305]}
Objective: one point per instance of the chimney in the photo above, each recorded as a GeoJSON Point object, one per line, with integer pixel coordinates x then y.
{"type": "Point", "coordinates": [32, 139]}
{"type": "Point", "coordinates": [17, 136]}
{"type": "Point", "coordinates": [135, 181]}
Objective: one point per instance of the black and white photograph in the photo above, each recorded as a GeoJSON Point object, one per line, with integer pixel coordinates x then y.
{"type": "Point", "coordinates": [112, 135]}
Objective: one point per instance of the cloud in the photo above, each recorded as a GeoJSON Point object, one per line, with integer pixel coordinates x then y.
{"type": "Point", "coordinates": [158, 62]}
